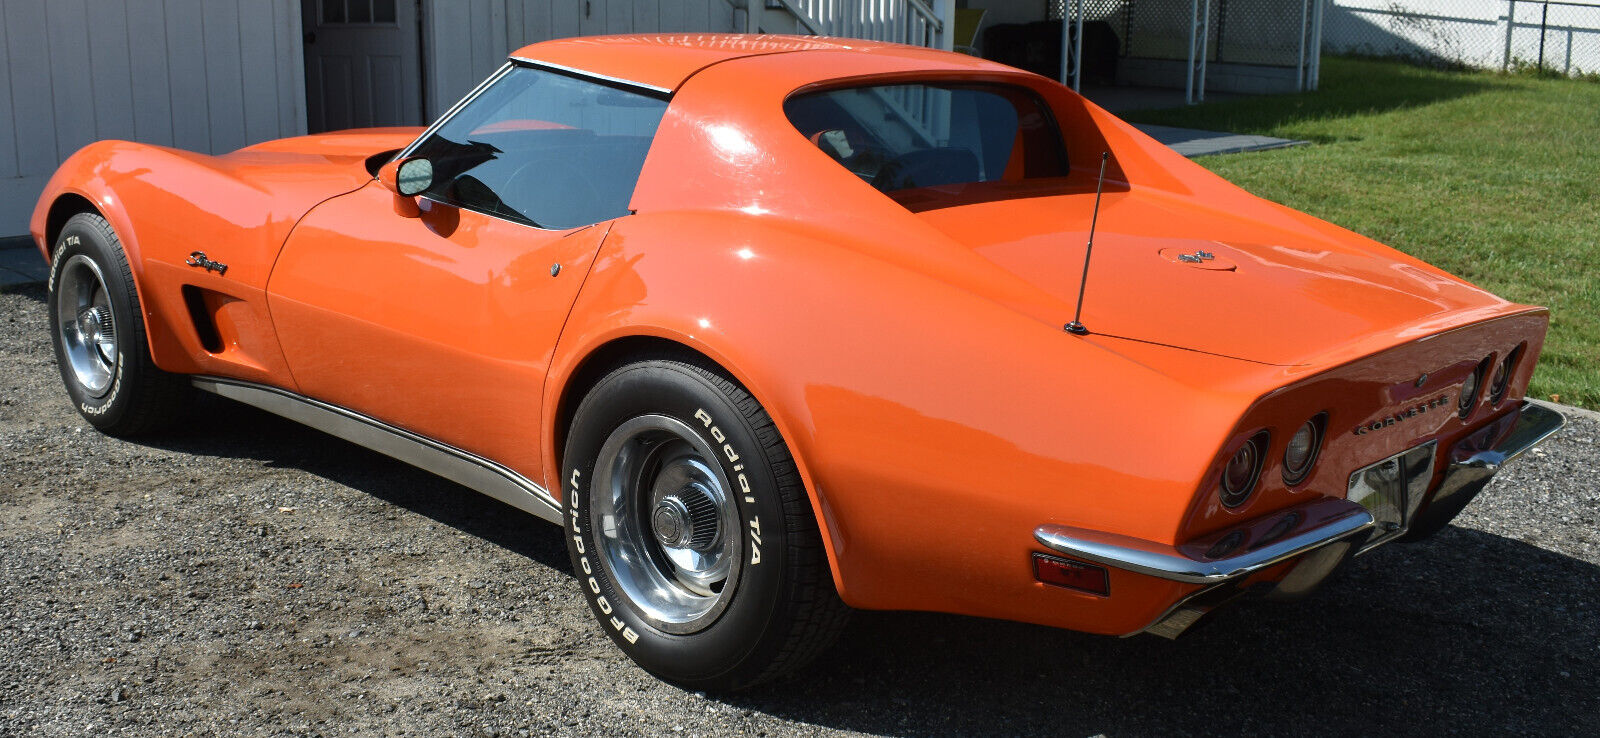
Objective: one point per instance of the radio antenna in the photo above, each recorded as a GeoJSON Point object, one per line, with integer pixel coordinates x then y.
{"type": "Point", "coordinates": [1076, 326]}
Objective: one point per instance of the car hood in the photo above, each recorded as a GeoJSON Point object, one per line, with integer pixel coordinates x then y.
{"type": "Point", "coordinates": [335, 147]}
{"type": "Point", "coordinates": [1248, 280]}
{"type": "Point", "coordinates": [316, 166]}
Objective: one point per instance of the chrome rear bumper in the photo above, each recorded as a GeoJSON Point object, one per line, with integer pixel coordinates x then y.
{"type": "Point", "coordinates": [1475, 460]}
{"type": "Point", "coordinates": [1221, 557]}
{"type": "Point", "coordinates": [1320, 534]}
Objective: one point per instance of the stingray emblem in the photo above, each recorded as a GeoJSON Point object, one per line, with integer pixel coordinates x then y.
{"type": "Point", "coordinates": [199, 259]}
{"type": "Point", "coordinates": [1198, 257]}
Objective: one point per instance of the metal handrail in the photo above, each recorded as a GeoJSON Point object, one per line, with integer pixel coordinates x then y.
{"type": "Point", "coordinates": [928, 16]}
{"type": "Point", "coordinates": [812, 24]}
{"type": "Point", "coordinates": [901, 21]}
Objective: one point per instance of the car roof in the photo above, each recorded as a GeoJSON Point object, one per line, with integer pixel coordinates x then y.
{"type": "Point", "coordinates": [665, 61]}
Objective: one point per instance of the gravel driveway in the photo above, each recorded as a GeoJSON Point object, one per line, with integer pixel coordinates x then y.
{"type": "Point", "coordinates": [248, 577]}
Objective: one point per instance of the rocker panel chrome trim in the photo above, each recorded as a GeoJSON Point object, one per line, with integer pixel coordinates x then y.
{"type": "Point", "coordinates": [447, 461]}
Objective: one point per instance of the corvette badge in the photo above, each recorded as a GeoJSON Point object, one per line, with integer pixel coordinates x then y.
{"type": "Point", "coordinates": [1402, 415]}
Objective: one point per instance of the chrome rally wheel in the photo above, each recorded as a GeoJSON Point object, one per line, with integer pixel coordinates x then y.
{"type": "Point", "coordinates": [668, 533]}
{"type": "Point", "coordinates": [98, 330]}
{"type": "Point", "coordinates": [689, 529]}
{"type": "Point", "coordinates": [86, 325]}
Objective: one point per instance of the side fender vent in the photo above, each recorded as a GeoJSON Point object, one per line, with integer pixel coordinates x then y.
{"type": "Point", "coordinates": [200, 314]}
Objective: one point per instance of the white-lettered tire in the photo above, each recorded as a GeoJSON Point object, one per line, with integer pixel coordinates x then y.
{"type": "Point", "coordinates": [98, 330]}
{"type": "Point", "coordinates": [690, 531]}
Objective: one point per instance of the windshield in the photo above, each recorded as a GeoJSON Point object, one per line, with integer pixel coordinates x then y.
{"type": "Point", "coordinates": [910, 136]}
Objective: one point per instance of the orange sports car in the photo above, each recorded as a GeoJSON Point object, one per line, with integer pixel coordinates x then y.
{"type": "Point", "coordinates": [777, 327]}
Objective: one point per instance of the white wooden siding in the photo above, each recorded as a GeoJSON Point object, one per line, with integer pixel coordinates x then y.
{"type": "Point", "coordinates": [205, 75]}
{"type": "Point", "coordinates": [468, 39]}
{"type": "Point", "coordinates": [215, 75]}
{"type": "Point", "coordinates": [465, 40]}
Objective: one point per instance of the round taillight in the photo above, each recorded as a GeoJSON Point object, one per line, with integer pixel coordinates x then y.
{"type": "Point", "coordinates": [1501, 381]}
{"type": "Point", "coordinates": [1301, 453]}
{"type": "Point", "coordinates": [1243, 468]}
{"type": "Point", "coordinates": [1469, 390]}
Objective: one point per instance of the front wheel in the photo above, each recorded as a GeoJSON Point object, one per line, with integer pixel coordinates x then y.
{"type": "Point", "coordinates": [690, 530]}
{"type": "Point", "coordinates": [98, 330]}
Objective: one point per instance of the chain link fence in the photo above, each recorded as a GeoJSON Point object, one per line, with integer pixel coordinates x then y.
{"type": "Point", "coordinates": [1558, 37]}
{"type": "Point", "coordinates": [1253, 46]}
{"type": "Point", "coordinates": [1260, 32]}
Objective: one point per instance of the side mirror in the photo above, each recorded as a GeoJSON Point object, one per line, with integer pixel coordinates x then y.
{"type": "Point", "coordinates": [406, 178]}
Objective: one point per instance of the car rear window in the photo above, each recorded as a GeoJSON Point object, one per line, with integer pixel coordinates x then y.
{"type": "Point", "coordinates": [910, 136]}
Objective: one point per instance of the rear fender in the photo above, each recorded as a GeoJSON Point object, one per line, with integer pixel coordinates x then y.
{"type": "Point", "coordinates": [984, 407]}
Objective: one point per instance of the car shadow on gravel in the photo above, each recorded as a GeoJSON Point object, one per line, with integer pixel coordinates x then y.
{"type": "Point", "coordinates": [1469, 632]}
{"type": "Point", "coordinates": [225, 429]}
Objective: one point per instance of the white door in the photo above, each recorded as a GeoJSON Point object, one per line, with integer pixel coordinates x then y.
{"type": "Point", "coordinates": [362, 64]}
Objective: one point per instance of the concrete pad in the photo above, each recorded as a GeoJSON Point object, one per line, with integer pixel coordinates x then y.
{"type": "Point", "coordinates": [1571, 411]}
{"type": "Point", "coordinates": [1191, 142]}
{"type": "Point", "coordinates": [20, 264]}
{"type": "Point", "coordinates": [1187, 141]}
{"type": "Point", "coordinates": [1123, 99]}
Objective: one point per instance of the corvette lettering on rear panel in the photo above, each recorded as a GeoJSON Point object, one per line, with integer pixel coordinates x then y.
{"type": "Point", "coordinates": [1403, 415]}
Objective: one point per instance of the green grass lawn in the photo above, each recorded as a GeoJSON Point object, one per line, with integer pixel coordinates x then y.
{"type": "Point", "coordinates": [1494, 178]}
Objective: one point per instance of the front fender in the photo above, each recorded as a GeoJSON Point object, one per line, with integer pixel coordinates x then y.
{"type": "Point", "coordinates": [92, 174]}
{"type": "Point", "coordinates": [934, 429]}
{"type": "Point", "coordinates": [165, 204]}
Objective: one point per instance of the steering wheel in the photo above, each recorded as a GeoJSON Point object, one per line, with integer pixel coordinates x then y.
{"type": "Point", "coordinates": [562, 190]}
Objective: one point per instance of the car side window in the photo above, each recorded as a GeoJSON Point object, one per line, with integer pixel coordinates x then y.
{"type": "Point", "coordinates": [544, 148]}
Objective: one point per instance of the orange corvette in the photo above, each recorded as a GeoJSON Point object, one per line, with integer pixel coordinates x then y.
{"type": "Point", "coordinates": [777, 327]}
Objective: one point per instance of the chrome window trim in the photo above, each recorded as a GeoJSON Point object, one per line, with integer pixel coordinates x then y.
{"type": "Point", "coordinates": [463, 467]}
{"type": "Point", "coordinates": [507, 67]}
{"type": "Point", "coordinates": [451, 113]}
{"type": "Point", "coordinates": [601, 78]}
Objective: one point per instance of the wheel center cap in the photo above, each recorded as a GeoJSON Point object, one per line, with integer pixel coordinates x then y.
{"type": "Point", "coordinates": [94, 324]}
{"type": "Point", "coordinates": [89, 323]}
{"type": "Point", "coordinates": [671, 522]}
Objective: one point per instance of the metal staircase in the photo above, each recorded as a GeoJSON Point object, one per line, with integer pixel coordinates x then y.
{"type": "Point", "coordinates": [913, 22]}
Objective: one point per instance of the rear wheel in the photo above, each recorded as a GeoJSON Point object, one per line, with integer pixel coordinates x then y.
{"type": "Point", "coordinates": [98, 330]}
{"type": "Point", "coordinates": [690, 530]}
